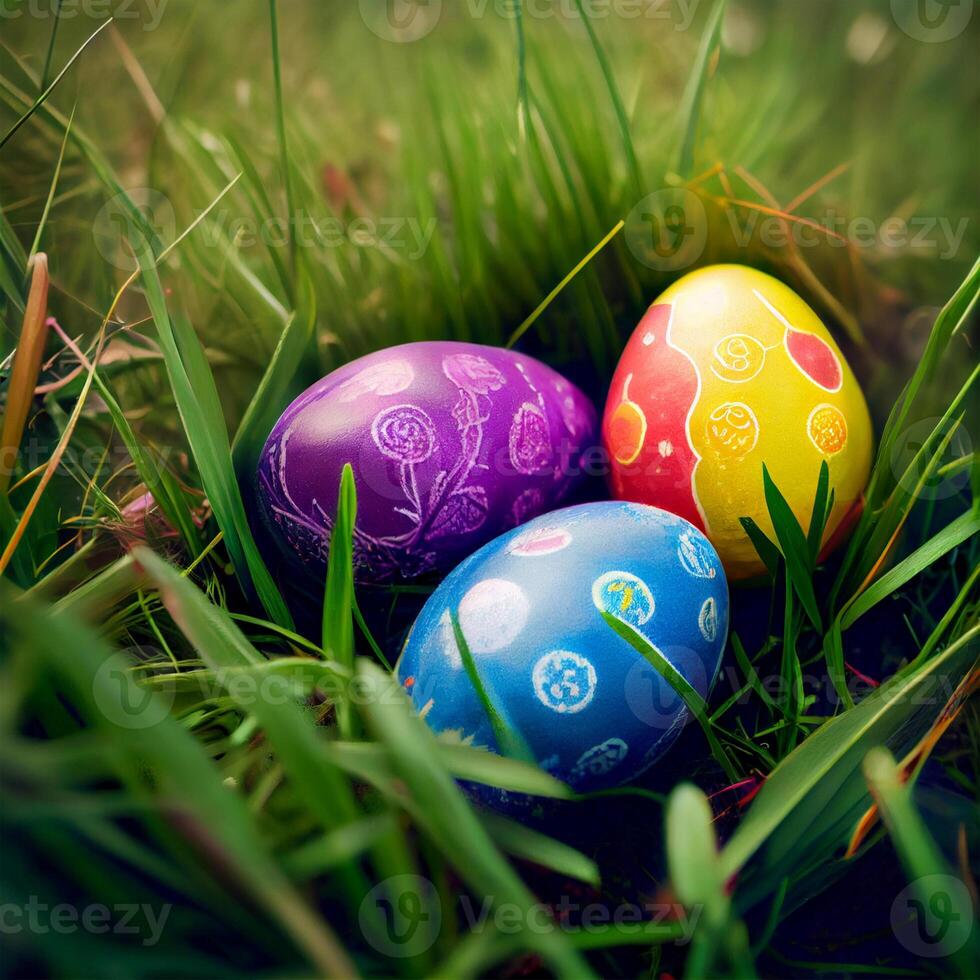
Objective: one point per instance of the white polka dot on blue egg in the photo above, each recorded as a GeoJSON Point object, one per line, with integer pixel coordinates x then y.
{"type": "Point", "coordinates": [593, 711]}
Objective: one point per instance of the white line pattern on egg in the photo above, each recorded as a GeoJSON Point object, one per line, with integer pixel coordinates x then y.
{"type": "Point", "coordinates": [695, 557]}
{"type": "Point", "coordinates": [623, 595]}
{"type": "Point", "coordinates": [492, 613]}
{"type": "Point", "coordinates": [708, 620]}
{"type": "Point", "coordinates": [564, 681]}
{"type": "Point", "coordinates": [386, 378]}
{"type": "Point", "coordinates": [540, 541]}
{"type": "Point", "coordinates": [601, 758]}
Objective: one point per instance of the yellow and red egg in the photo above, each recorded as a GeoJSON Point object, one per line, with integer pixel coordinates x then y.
{"type": "Point", "coordinates": [727, 370]}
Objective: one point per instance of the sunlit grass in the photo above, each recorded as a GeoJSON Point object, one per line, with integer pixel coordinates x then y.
{"type": "Point", "coordinates": [469, 185]}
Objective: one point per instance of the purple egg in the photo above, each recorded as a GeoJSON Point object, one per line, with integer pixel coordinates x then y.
{"type": "Point", "coordinates": [450, 443]}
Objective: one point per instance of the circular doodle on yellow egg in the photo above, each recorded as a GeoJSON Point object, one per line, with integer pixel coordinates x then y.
{"type": "Point", "coordinates": [827, 429]}
{"type": "Point", "coordinates": [732, 430]}
{"type": "Point", "coordinates": [737, 358]}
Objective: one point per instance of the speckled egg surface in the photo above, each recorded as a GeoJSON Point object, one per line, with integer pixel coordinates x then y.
{"type": "Point", "coordinates": [593, 711]}
{"type": "Point", "coordinates": [450, 443]}
{"type": "Point", "coordinates": [730, 369]}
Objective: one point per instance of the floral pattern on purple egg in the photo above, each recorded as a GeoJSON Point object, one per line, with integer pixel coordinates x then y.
{"type": "Point", "coordinates": [451, 444]}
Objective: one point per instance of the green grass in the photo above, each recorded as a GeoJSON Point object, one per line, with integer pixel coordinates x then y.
{"type": "Point", "coordinates": [173, 734]}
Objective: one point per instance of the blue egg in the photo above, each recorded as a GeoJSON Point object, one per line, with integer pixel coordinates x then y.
{"type": "Point", "coordinates": [593, 711]}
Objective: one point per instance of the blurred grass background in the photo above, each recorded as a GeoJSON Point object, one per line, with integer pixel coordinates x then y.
{"type": "Point", "coordinates": [518, 165]}
{"type": "Point", "coordinates": [430, 130]}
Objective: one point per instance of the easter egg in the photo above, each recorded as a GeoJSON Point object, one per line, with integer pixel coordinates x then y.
{"type": "Point", "coordinates": [450, 444]}
{"type": "Point", "coordinates": [729, 370]}
{"type": "Point", "coordinates": [593, 711]}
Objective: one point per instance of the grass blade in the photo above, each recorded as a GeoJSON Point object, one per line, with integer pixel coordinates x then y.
{"type": "Point", "coordinates": [163, 760]}
{"type": "Point", "coordinates": [523, 102]}
{"type": "Point", "coordinates": [886, 524]}
{"type": "Point", "coordinates": [821, 512]}
{"type": "Point", "coordinates": [617, 102]}
{"type": "Point", "coordinates": [952, 536]}
{"type": "Point", "coordinates": [764, 548]}
{"type": "Point", "coordinates": [694, 702]}
{"type": "Point", "coordinates": [530, 845]}
{"type": "Point", "coordinates": [692, 851]}
{"type": "Point", "coordinates": [694, 91]}
{"type": "Point", "coordinates": [291, 369]}
{"type": "Point", "coordinates": [794, 547]}
{"type": "Point", "coordinates": [36, 244]}
{"type": "Point", "coordinates": [159, 482]}
{"type": "Point", "coordinates": [42, 98]}
{"type": "Point", "coordinates": [56, 20]}
{"type": "Point", "coordinates": [26, 367]}
{"type": "Point", "coordinates": [448, 818]}
{"type": "Point", "coordinates": [281, 127]}
{"type": "Point", "coordinates": [695, 875]}
{"type": "Point", "coordinates": [820, 783]}
{"type": "Point", "coordinates": [338, 600]}
{"type": "Point", "coordinates": [927, 870]}
{"type": "Point", "coordinates": [546, 302]}
{"type": "Point", "coordinates": [509, 740]}
{"type": "Point", "coordinates": [372, 763]}
{"type": "Point", "coordinates": [200, 410]}
{"type": "Point", "coordinates": [503, 772]}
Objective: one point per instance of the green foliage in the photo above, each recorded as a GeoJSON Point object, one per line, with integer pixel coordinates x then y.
{"type": "Point", "coordinates": [197, 401]}
{"type": "Point", "coordinates": [697, 876]}
{"type": "Point", "coordinates": [40, 100]}
{"type": "Point", "coordinates": [508, 738]}
{"type": "Point", "coordinates": [269, 820]}
{"type": "Point", "coordinates": [817, 793]}
{"type": "Point", "coordinates": [338, 619]}
{"type": "Point", "coordinates": [709, 49]}
{"type": "Point", "coordinates": [921, 858]}
{"type": "Point", "coordinates": [443, 811]}
{"type": "Point", "coordinates": [163, 759]}
{"type": "Point", "coordinates": [682, 687]}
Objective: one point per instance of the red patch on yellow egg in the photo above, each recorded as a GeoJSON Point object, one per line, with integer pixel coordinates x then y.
{"type": "Point", "coordinates": [815, 359]}
{"type": "Point", "coordinates": [645, 425]}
